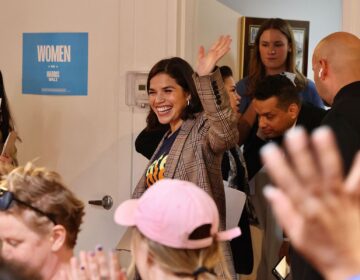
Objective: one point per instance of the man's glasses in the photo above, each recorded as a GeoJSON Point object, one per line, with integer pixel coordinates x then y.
{"type": "Point", "coordinates": [7, 197]}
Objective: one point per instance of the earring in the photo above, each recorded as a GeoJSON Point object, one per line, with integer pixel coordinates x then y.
{"type": "Point", "coordinates": [188, 101]}
{"type": "Point", "coordinates": [320, 72]}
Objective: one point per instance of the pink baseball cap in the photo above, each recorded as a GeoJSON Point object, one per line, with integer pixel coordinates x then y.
{"type": "Point", "coordinates": [170, 211]}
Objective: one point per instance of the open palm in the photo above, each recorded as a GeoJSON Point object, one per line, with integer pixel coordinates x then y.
{"type": "Point", "coordinates": [207, 61]}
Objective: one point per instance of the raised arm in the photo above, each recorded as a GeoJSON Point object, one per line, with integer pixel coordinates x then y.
{"type": "Point", "coordinates": [222, 133]}
{"type": "Point", "coordinates": [245, 122]}
{"type": "Point", "coordinates": [207, 61]}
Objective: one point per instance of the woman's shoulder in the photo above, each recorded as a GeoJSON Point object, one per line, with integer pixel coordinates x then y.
{"type": "Point", "coordinates": [241, 86]}
{"type": "Point", "coordinates": [196, 128]}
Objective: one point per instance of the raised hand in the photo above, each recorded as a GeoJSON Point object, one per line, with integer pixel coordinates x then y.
{"type": "Point", "coordinates": [207, 61]}
{"type": "Point", "coordinates": [95, 266]}
{"type": "Point", "coordinates": [318, 209]}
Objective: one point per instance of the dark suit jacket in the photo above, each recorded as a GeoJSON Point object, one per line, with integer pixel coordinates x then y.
{"type": "Point", "coordinates": [310, 117]}
{"type": "Point", "coordinates": [344, 119]}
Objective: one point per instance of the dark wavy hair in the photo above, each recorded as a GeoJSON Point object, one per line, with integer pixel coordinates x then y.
{"type": "Point", "coordinates": [6, 121]}
{"type": "Point", "coordinates": [225, 72]}
{"type": "Point", "coordinates": [181, 71]}
{"type": "Point", "coordinates": [257, 69]}
{"type": "Point", "coordinates": [281, 87]}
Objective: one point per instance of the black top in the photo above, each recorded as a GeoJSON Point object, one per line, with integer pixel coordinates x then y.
{"type": "Point", "coordinates": [148, 140]}
{"type": "Point", "coordinates": [156, 169]}
{"type": "Point", "coordinates": [344, 119]}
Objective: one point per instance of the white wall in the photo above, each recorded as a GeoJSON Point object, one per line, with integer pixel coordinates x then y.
{"type": "Point", "coordinates": [77, 136]}
{"type": "Point", "coordinates": [87, 139]}
{"type": "Point", "coordinates": [148, 33]}
{"type": "Point", "coordinates": [216, 17]}
{"type": "Point", "coordinates": [325, 16]}
{"type": "Point", "coordinates": [213, 19]}
{"type": "Point", "coordinates": [351, 19]}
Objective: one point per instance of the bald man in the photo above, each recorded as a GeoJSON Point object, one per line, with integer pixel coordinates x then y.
{"type": "Point", "coordinates": [336, 66]}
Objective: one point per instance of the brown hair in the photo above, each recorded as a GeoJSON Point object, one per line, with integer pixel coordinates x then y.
{"type": "Point", "coordinates": [225, 72]}
{"type": "Point", "coordinates": [44, 190]}
{"type": "Point", "coordinates": [257, 69]}
{"type": "Point", "coordinates": [282, 88]}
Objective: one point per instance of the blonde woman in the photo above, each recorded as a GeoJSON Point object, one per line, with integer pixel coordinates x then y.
{"type": "Point", "coordinates": [175, 236]}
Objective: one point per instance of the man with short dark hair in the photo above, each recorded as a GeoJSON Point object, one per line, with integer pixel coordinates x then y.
{"type": "Point", "coordinates": [279, 108]}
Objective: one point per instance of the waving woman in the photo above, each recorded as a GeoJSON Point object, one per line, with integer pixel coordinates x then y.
{"type": "Point", "coordinates": [202, 126]}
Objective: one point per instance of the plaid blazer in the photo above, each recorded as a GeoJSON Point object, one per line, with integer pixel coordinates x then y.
{"type": "Point", "coordinates": [197, 151]}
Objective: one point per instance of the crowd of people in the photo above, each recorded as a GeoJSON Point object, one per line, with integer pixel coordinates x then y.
{"type": "Point", "coordinates": [203, 129]}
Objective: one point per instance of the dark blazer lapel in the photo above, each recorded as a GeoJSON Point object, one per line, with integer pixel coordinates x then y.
{"type": "Point", "coordinates": [177, 147]}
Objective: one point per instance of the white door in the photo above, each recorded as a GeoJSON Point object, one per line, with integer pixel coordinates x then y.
{"type": "Point", "coordinates": [88, 139]}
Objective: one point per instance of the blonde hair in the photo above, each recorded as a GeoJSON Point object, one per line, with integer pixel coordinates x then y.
{"type": "Point", "coordinates": [44, 190]}
{"type": "Point", "coordinates": [183, 261]}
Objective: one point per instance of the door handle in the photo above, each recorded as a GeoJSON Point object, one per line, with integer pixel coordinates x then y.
{"type": "Point", "coordinates": [106, 202]}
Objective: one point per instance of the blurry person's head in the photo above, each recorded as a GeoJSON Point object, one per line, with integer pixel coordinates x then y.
{"type": "Point", "coordinates": [176, 231]}
{"type": "Point", "coordinates": [13, 271]}
{"type": "Point", "coordinates": [277, 104]}
{"type": "Point", "coordinates": [336, 63]}
{"type": "Point", "coordinates": [40, 219]}
{"type": "Point", "coordinates": [274, 52]}
{"type": "Point", "coordinates": [5, 168]}
{"type": "Point", "coordinates": [230, 86]}
{"type": "Point", "coordinates": [173, 97]}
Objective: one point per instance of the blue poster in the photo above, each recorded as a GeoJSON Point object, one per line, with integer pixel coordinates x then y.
{"type": "Point", "coordinates": [55, 63]}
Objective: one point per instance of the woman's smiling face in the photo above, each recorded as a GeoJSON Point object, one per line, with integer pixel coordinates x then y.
{"type": "Point", "coordinates": [167, 99]}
